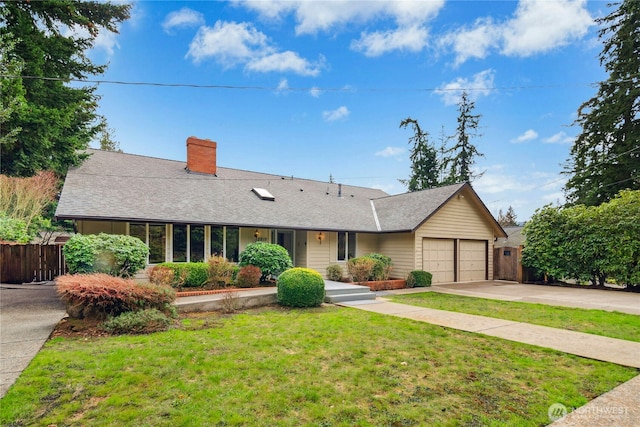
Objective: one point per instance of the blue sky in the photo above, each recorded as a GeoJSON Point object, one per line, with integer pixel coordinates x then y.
{"type": "Point", "coordinates": [318, 88]}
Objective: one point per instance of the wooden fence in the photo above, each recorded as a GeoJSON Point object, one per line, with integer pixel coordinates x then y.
{"type": "Point", "coordinates": [31, 263]}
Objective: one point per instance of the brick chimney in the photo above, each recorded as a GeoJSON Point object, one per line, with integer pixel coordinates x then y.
{"type": "Point", "coordinates": [201, 155]}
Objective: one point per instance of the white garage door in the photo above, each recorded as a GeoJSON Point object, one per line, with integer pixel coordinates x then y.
{"type": "Point", "coordinates": [473, 260]}
{"type": "Point", "coordinates": [438, 259]}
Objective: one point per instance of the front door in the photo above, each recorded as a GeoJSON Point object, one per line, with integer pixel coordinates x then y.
{"type": "Point", "coordinates": [285, 239]}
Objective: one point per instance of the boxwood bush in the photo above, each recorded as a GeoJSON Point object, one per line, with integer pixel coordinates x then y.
{"type": "Point", "coordinates": [188, 274]}
{"type": "Point", "coordinates": [419, 278]}
{"type": "Point", "coordinates": [113, 254]}
{"type": "Point", "coordinates": [270, 258]}
{"type": "Point", "coordinates": [300, 287]}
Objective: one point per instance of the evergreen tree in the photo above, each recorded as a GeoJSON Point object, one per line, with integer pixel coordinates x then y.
{"type": "Point", "coordinates": [507, 219]}
{"type": "Point", "coordinates": [11, 91]}
{"type": "Point", "coordinates": [107, 141]}
{"type": "Point", "coordinates": [605, 157]}
{"type": "Point", "coordinates": [461, 157]}
{"type": "Point", "coordinates": [51, 38]}
{"type": "Point", "coordinates": [424, 159]}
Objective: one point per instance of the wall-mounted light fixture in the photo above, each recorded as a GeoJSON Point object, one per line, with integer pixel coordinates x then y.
{"type": "Point", "coordinates": [460, 196]}
{"type": "Point", "coordinates": [320, 237]}
{"type": "Point", "coordinates": [256, 234]}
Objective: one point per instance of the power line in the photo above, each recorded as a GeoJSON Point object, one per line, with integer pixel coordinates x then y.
{"type": "Point", "coordinates": [297, 89]}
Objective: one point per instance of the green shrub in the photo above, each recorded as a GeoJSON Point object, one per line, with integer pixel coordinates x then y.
{"type": "Point", "coordinates": [114, 254]}
{"type": "Point", "coordinates": [270, 258]}
{"type": "Point", "coordinates": [334, 272]}
{"type": "Point", "coordinates": [360, 268]}
{"type": "Point", "coordinates": [220, 271]}
{"type": "Point", "coordinates": [137, 322]}
{"type": "Point", "coordinates": [13, 230]}
{"type": "Point", "coordinates": [382, 268]}
{"type": "Point", "coordinates": [419, 279]}
{"type": "Point", "coordinates": [99, 295]}
{"type": "Point", "coordinates": [248, 277]}
{"type": "Point", "coordinates": [188, 274]}
{"type": "Point", "coordinates": [300, 287]}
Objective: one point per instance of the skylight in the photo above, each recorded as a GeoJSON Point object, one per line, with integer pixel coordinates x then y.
{"type": "Point", "coordinates": [263, 194]}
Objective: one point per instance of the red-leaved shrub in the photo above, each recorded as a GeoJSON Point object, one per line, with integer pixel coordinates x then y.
{"type": "Point", "coordinates": [249, 276]}
{"type": "Point", "coordinates": [99, 295]}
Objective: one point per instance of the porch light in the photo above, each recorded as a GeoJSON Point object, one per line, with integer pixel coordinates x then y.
{"type": "Point", "coordinates": [256, 234]}
{"type": "Point", "coordinates": [320, 237]}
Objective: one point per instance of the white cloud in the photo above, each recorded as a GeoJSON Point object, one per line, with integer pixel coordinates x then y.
{"type": "Point", "coordinates": [390, 152]}
{"type": "Point", "coordinates": [528, 135]}
{"type": "Point", "coordinates": [536, 26]}
{"type": "Point", "coordinates": [283, 85]}
{"type": "Point", "coordinates": [559, 138]}
{"type": "Point", "coordinates": [184, 17]}
{"type": "Point", "coordinates": [315, 92]}
{"type": "Point", "coordinates": [283, 62]}
{"type": "Point", "coordinates": [312, 17]}
{"type": "Point", "coordinates": [337, 114]}
{"type": "Point", "coordinates": [474, 42]}
{"type": "Point", "coordinates": [480, 85]}
{"type": "Point", "coordinates": [231, 44]}
{"type": "Point", "coordinates": [540, 26]}
{"type": "Point", "coordinates": [413, 39]}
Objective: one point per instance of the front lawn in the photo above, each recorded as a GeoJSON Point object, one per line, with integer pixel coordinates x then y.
{"type": "Point", "coordinates": [598, 322]}
{"type": "Point", "coordinates": [329, 366]}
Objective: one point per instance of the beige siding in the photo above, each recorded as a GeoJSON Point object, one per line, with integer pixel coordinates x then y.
{"type": "Point", "coordinates": [96, 227]}
{"type": "Point", "coordinates": [321, 254]}
{"type": "Point", "coordinates": [460, 218]}
{"type": "Point", "coordinates": [247, 235]}
{"type": "Point", "coordinates": [366, 243]}
{"type": "Point", "coordinates": [399, 247]}
{"type": "Point", "coordinates": [301, 248]}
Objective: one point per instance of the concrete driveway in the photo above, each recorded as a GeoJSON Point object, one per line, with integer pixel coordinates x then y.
{"type": "Point", "coordinates": [610, 300]}
{"type": "Point", "coordinates": [28, 315]}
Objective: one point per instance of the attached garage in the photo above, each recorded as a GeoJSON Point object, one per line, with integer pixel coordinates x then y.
{"type": "Point", "coordinates": [438, 258]}
{"type": "Point", "coordinates": [473, 260]}
{"type": "Point", "coordinates": [444, 257]}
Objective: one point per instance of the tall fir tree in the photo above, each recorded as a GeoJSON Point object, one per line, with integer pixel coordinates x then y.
{"type": "Point", "coordinates": [51, 40]}
{"type": "Point", "coordinates": [605, 157]}
{"type": "Point", "coordinates": [460, 158]}
{"type": "Point", "coordinates": [424, 159]}
{"type": "Point", "coordinates": [507, 219]}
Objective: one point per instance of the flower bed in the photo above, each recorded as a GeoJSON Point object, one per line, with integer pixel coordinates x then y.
{"type": "Point", "coordinates": [384, 285]}
{"type": "Point", "coordinates": [215, 291]}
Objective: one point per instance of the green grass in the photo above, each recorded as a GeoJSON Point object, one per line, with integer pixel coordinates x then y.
{"type": "Point", "coordinates": [599, 322]}
{"type": "Point", "coordinates": [319, 367]}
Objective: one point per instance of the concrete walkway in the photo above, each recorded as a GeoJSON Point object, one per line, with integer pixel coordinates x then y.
{"type": "Point", "coordinates": [28, 315]}
{"type": "Point", "coordinates": [596, 347]}
{"type": "Point", "coordinates": [619, 407]}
